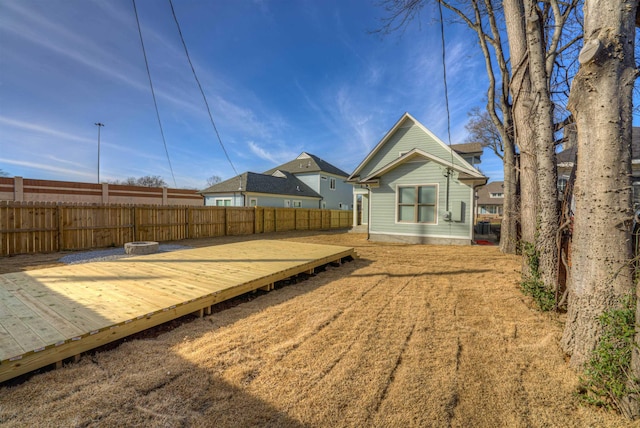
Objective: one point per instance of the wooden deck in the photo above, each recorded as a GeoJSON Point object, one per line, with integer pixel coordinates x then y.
{"type": "Point", "coordinates": [49, 315]}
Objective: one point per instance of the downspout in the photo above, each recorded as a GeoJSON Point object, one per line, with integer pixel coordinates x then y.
{"type": "Point", "coordinates": [447, 210]}
{"type": "Point", "coordinates": [475, 210]}
{"type": "Point", "coordinates": [369, 212]}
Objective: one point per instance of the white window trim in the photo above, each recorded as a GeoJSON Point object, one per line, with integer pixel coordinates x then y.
{"type": "Point", "coordinates": [287, 203]}
{"type": "Point", "coordinates": [215, 202]}
{"type": "Point", "coordinates": [332, 183]}
{"type": "Point", "coordinates": [395, 207]}
{"type": "Point", "coordinates": [297, 201]}
{"type": "Point", "coordinates": [251, 200]}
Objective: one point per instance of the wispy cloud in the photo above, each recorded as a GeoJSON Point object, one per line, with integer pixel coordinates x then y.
{"type": "Point", "coordinates": [44, 167]}
{"type": "Point", "coordinates": [42, 129]}
{"type": "Point", "coordinates": [275, 157]}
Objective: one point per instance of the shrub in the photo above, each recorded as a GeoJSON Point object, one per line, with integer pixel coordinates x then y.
{"type": "Point", "coordinates": [608, 378]}
{"type": "Point", "coordinates": [533, 285]}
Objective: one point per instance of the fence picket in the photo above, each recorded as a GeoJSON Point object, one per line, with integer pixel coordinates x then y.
{"type": "Point", "coordinates": [30, 228]}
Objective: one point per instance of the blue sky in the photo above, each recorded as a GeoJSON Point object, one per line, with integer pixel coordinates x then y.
{"type": "Point", "coordinates": [281, 77]}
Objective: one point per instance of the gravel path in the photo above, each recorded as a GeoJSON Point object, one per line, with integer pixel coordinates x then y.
{"type": "Point", "coordinates": [111, 254]}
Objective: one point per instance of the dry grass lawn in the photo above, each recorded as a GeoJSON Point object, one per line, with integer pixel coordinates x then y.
{"type": "Point", "coordinates": [407, 335]}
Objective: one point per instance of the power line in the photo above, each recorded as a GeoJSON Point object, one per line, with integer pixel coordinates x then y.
{"type": "Point", "coordinates": [146, 63]}
{"type": "Point", "coordinates": [175, 18]}
{"type": "Point", "coordinates": [444, 73]}
{"type": "Point", "coordinates": [446, 100]}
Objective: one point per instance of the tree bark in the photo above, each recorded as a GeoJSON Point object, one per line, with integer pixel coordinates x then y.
{"type": "Point", "coordinates": [521, 95]}
{"type": "Point", "coordinates": [510, 210]}
{"type": "Point", "coordinates": [547, 225]}
{"type": "Point", "coordinates": [601, 103]}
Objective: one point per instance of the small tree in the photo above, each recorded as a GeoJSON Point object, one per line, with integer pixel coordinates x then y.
{"type": "Point", "coordinates": [214, 179]}
{"type": "Point", "coordinates": [151, 181]}
{"type": "Point", "coordinates": [146, 181]}
{"type": "Point", "coordinates": [3, 173]}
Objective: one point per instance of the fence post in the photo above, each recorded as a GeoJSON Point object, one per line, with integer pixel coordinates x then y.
{"type": "Point", "coordinates": [226, 223]}
{"type": "Point", "coordinates": [135, 224]}
{"type": "Point", "coordinates": [60, 214]}
{"type": "Point", "coordinates": [188, 221]}
{"type": "Point", "coordinates": [255, 219]}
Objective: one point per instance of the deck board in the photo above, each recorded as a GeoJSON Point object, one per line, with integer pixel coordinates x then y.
{"type": "Point", "coordinates": [51, 314]}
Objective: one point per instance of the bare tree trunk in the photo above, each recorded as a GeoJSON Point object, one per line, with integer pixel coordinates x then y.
{"type": "Point", "coordinates": [509, 224]}
{"type": "Point", "coordinates": [601, 102]}
{"type": "Point", "coordinates": [547, 225]}
{"type": "Point", "coordinates": [521, 93]}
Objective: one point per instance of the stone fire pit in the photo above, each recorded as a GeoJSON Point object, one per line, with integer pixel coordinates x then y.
{"type": "Point", "coordinates": [141, 247]}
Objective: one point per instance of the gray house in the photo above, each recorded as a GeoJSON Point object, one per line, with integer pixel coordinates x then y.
{"type": "Point", "coordinates": [414, 188]}
{"type": "Point", "coordinates": [305, 182]}
{"type": "Point", "coordinates": [327, 180]}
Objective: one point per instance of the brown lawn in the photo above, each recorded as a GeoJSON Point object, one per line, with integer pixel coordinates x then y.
{"type": "Point", "coordinates": [406, 335]}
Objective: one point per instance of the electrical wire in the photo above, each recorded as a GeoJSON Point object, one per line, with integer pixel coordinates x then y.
{"type": "Point", "coordinates": [446, 99]}
{"type": "Point", "coordinates": [186, 51]}
{"type": "Point", "coordinates": [155, 103]}
{"type": "Point", "coordinates": [444, 73]}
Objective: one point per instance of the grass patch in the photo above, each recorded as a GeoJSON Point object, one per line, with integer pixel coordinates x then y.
{"type": "Point", "coordinates": [608, 378]}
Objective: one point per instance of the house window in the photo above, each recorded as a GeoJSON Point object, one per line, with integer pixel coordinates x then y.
{"type": "Point", "coordinates": [562, 184]}
{"type": "Point", "coordinates": [287, 203]}
{"type": "Point", "coordinates": [223, 202]}
{"type": "Point", "coordinates": [490, 209]}
{"type": "Point", "coordinates": [253, 202]}
{"type": "Point", "coordinates": [322, 177]}
{"type": "Point", "coordinates": [636, 194]}
{"type": "Point", "coordinates": [332, 183]}
{"type": "Point", "coordinates": [496, 195]}
{"type": "Point", "coordinates": [297, 204]}
{"type": "Point", "coordinates": [417, 204]}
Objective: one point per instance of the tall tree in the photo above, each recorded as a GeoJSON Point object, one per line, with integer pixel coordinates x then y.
{"type": "Point", "coordinates": [481, 17]}
{"type": "Point", "coordinates": [601, 103]}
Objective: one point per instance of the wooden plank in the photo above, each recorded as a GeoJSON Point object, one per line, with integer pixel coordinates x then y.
{"type": "Point", "coordinates": [89, 305]}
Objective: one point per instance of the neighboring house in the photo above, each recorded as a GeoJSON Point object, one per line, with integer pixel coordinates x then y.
{"type": "Point", "coordinates": [489, 201]}
{"type": "Point", "coordinates": [413, 188]}
{"type": "Point", "coordinates": [280, 189]}
{"type": "Point", "coordinates": [470, 152]}
{"type": "Point", "coordinates": [327, 180]}
{"type": "Point", "coordinates": [305, 182]}
{"type": "Point", "coordinates": [566, 159]}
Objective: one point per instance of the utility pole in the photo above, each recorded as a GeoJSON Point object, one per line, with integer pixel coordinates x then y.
{"type": "Point", "coordinates": [99, 125]}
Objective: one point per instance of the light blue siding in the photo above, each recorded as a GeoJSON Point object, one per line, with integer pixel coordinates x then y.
{"type": "Point", "coordinates": [406, 138]}
{"type": "Point", "coordinates": [384, 202]}
{"type": "Point", "coordinates": [279, 201]}
{"type": "Point", "coordinates": [339, 198]}
{"type": "Point", "coordinates": [237, 200]}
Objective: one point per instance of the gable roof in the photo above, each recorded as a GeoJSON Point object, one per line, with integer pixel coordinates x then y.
{"type": "Point", "coordinates": [306, 162]}
{"type": "Point", "coordinates": [406, 116]}
{"type": "Point", "coordinates": [467, 148]}
{"type": "Point", "coordinates": [280, 183]}
{"type": "Point", "coordinates": [484, 193]}
{"type": "Point", "coordinates": [464, 173]}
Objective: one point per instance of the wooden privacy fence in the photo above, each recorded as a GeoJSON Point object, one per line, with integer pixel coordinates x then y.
{"type": "Point", "coordinates": [42, 227]}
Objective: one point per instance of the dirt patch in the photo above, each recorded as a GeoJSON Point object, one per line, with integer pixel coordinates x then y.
{"type": "Point", "coordinates": [407, 335]}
